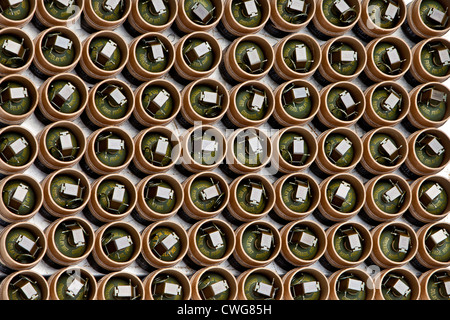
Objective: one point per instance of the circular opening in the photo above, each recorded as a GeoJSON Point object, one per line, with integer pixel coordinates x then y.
{"type": "Point", "coordinates": [162, 194]}
{"type": "Point", "coordinates": [76, 284]}
{"type": "Point", "coordinates": [397, 242]}
{"type": "Point", "coordinates": [300, 194]}
{"type": "Point", "coordinates": [341, 14]}
{"type": "Point", "coordinates": [345, 194]}
{"type": "Point", "coordinates": [437, 21]}
{"type": "Point", "coordinates": [208, 99]}
{"type": "Point", "coordinates": [214, 240]}
{"type": "Point", "coordinates": [73, 238]}
{"type": "Point", "coordinates": [18, 13]}
{"type": "Point", "coordinates": [352, 242]}
{"type": "Point", "coordinates": [430, 148]}
{"type": "Point", "coordinates": [299, 100]}
{"type": "Point", "coordinates": [109, 11]}
{"type": "Point", "coordinates": [64, 12]}
{"type": "Point", "coordinates": [113, 101]}
{"type": "Point", "coordinates": [153, 53]}
{"type": "Point", "coordinates": [107, 51]}
{"type": "Point", "coordinates": [261, 284]}
{"type": "Point", "coordinates": [202, 13]}
{"type": "Point", "coordinates": [253, 55]}
{"type": "Point", "coordinates": [386, 15]}
{"type": "Point", "coordinates": [159, 146]}
{"type": "Point", "coordinates": [254, 194]}
{"type": "Point", "coordinates": [388, 147]}
{"type": "Point", "coordinates": [294, 14]}
{"type": "Point", "coordinates": [253, 102]}
{"type": "Point", "coordinates": [112, 147]}
{"type": "Point", "coordinates": [21, 195]}
{"type": "Point", "coordinates": [306, 241]}
{"type": "Point", "coordinates": [353, 284]}
{"type": "Point", "coordinates": [60, 47]}
{"type": "Point", "coordinates": [260, 242]}
{"type": "Point", "coordinates": [391, 56]}
{"type": "Point", "coordinates": [36, 284]}
{"type": "Point", "coordinates": [437, 242]}
{"type": "Point", "coordinates": [215, 277]}
{"type": "Point", "coordinates": [297, 148]}
{"type": "Point", "coordinates": [115, 281]}
{"type": "Point", "coordinates": [163, 14]}
{"type": "Point", "coordinates": [64, 142]}
{"type": "Point", "coordinates": [176, 279]}
{"type": "Point", "coordinates": [251, 148]}
{"type": "Point", "coordinates": [433, 194]}
{"type": "Point", "coordinates": [30, 244]}
{"type": "Point", "coordinates": [18, 147]}
{"type": "Point", "coordinates": [206, 146]}
{"type": "Point", "coordinates": [159, 101]}
{"type": "Point", "coordinates": [344, 103]}
{"type": "Point", "coordinates": [338, 158]}
{"type": "Point", "coordinates": [346, 56]}
{"type": "Point", "coordinates": [390, 194]}
{"type": "Point", "coordinates": [20, 96]}
{"type": "Point", "coordinates": [208, 193]}
{"type": "Point", "coordinates": [434, 57]}
{"type": "Point", "coordinates": [120, 243]}
{"type": "Point", "coordinates": [17, 49]}
{"type": "Point", "coordinates": [431, 104]}
{"type": "Point", "coordinates": [399, 284]}
{"type": "Point", "coordinates": [200, 52]}
{"type": "Point", "coordinates": [389, 102]}
{"type": "Point", "coordinates": [250, 15]}
{"type": "Point", "coordinates": [115, 195]}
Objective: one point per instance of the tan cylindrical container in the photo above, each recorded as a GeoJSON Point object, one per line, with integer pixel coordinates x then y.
{"type": "Point", "coordinates": [284, 202]}
{"type": "Point", "coordinates": [142, 165]}
{"type": "Point", "coordinates": [182, 70]}
{"type": "Point", "coordinates": [374, 114]}
{"type": "Point", "coordinates": [187, 25]}
{"type": "Point", "coordinates": [52, 209]}
{"type": "Point", "coordinates": [203, 275]}
{"type": "Point", "coordinates": [47, 112]}
{"type": "Point", "coordinates": [107, 286]}
{"type": "Point", "coordinates": [382, 243]}
{"type": "Point", "coordinates": [325, 28]}
{"type": "Point", "coordinates": [141, 118]}
{"type": "Point", "coordinates": [42, 66]}
{"type": "Point", "coordinates": [431, 253]}
{"type": "Point", "coordinates": [21, 49]}
{"type": "Point", "coordinates": [29, 240]}
{"type": "Point", "coordinates": [30, 277]}
{"type": "Point", "coordinates": [146, 214]}
{"type": "Point", "coordinates": [323, 161]}
{"type": "Point", "coordinates": [369, 165]}
{"type": "Point", "coordinates": [237, 117]}
{"type": "Point", "coordinates": [328, 211]}
{"type": "Point", "coordinates": [418, 71]}
{"type": "Point", "coordinates": [231, 69]}
{"type": "Point", "coordinates": [299, 252]}
{"type": "Point", "coordinates": [88, 69]}
{"type": "Point", "coordinates": [100, 190]}
{"type": "Point", "coordinates": [10, 214]}
{"type": "Point", "coordinates": [134, 66]}
{"type": "Point", "coordinates": [193, 110]}
{"type": "Point", "coordinates": [282, 71]}
{"type": "Point", "coordinates": [416, 28]}
{"type": "Point", "coordinates": [192, 208]}
{"type": "Point", "coordinates": [150, 258]}
{"type": "Point", "coordinates": [334, 254]}
{"type": "Point", "coordinates": [196, 156]}
{"type": "Point", "coordinates": [203, 252]}
{"type": "Point", "coordinates": [243, 162]}
{"type": "Point", "coordinates": [432, 284]}
{"type": "Point", "coordinates": [355, 274]}
{"type": "Point", "coordinates": [418, 210]}
{"type": "Point", "coordinates": [91, 21]}
{"type": "Point", "coordinates": [7, 118]}
{"type": "Point", "coordinates": [231, 28]}
{"type": "Point", "coordinates": [278, 26]}
{"type": "Point", "coordinates": [44, 19]}
{"type": "Point", "coordinates": [7, 20]}
{"type": "Point", "coordinates": [251, 242]}
{"type": "Point", "coordinates": [390, 277]}
{"type": "Point", "coordinates": [419, 120]}
{"type": "Point", "coordinates": [113, 231]}
{"type": "Point", "coordinates": [286, 118]}
{"type": "Point", "coordinates": [137, 24]}
{"type": "Point", "coordinates": [27, 157]}
{"type": "Point", "coordinates": [326, 69]}
{"type": "Point", "coordinates": [413, 163]}
{"type": "Point", "coordinates": [55, 254]}
{"type": "Point", "coordinates": [372, 71]}
{"type": "Point", "coordinates": [250, 281]}
{"type": "Point", "coordinates": [290, 281]}
{"type": "Point", "coordinates": [370, 29]}
{"type": "Point", "coordinates": [372, 208]}
{"type": "Point", "coordinates": [93, 165]}
{"type": "Point", "coordinates": [46, 146]}
{"type": "Point", "coordinates": [73, 276]}
{"type": "Point", "coordinates": [327, 118]}
{"type": "Point", "coordinates": [152, 283]}
{"type": "Point", "coordinates": [96, 116]}
{"type": "Point", "coordinates": [240, 203]}
{"type": "Point", "coordinates": [281, 148]}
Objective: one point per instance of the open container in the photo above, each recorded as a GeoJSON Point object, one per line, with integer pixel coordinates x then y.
{"type": "Point", "coordinates": [213, 283]}
{"type": "Point", "coordinates": [433, 284]}
{"type": "Point", "coordinates": [396, 284]}
{"type": "Point", "coordinates": [72, 283]}
{"type": "Point", "coordinates": [104, 15]}
{"type": "Point", "coordinates": [17, 52]}
{"type": "Point", "coordinates": [57, 13]}
{"type": "Point", "coordinates": [120, 285]}
{"type": "Point", "coordinates": [167, 284]}
{"type": "Point", "coordinates": [305, 284]}
{"type": "Point", "coordinates": [195, 15]}
{"type": "Point", "coordinates": [10, 287]}
{"type": "Point", "coordinates": [351, 284]}
{"type": "Point", "coordinates": [17, 14]}
{"type": "Point", "coordinates": [260, 284]}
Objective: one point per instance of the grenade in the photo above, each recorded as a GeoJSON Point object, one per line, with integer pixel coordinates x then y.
{"type": "Point", "coordinates": [18, 100]}
{"type": "Point", "coordinates": [57, 13]}
{"type": "Point", "coordinates": [213, 283]}
{"type": "Point", "coordinates": [104, 15]}
{"type": "Point", "coordinates": [195, 15]}
{"type": "Point", "coordinates": [120, 285]}
{"type": "Point", "coordinates": [167, 284]}
{"type": "Point", "coordinates": [396, 284]}
{"type": "Point", "coordinates": [72, 283]}
{"type": "Point", "coordinates": [305, 284]}
{"type": "Point", "coordinates": [351, 284]}
{"type": "Point", "coordinates": [61, 97]}
{"type": "Point", "coordinates": [17, 14]}
{"type": "Point", "coordinates": [433, 284]}
{"type": "Point", "coordinates": [260, 284]}
{"type": "Point", "coordinates": [17, 51]}
{"type": "Point", "coordinates": [24, 285]}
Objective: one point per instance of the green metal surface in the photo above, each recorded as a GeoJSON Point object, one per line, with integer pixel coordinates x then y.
{"type": "Point", "coordinates": [345, 295]}
{"type": "Point", "coordinates": [59, 59]}
{"type": "Point", "coordinates": [60, 12]}
{"type": "Point", "coordinates": [113, 15]}
{"type": "Point", "coordinates": [288, 55]}
{"type": "Point", "coordinates": [148, 146]}
{"type": "Point", "coordinates": [205, 62]}
{"type": "Point", "coordinates": [440, 252]}
{"type": "Point", "coordinates": [377, 9]}
{"type": "Point", "coordinates": [388, 240]}
{"type": "Point", "coordinates": [333, 16]}
{"type": "Point", "coordinates": [434, 286]}
{"type": "Point", "coordinates": [149, 93]}
{"type": "Point", "coordinates": [52, 144]}
{"type": "Point", "coordinates": [144, 59]}
{"type": "Point", "coordinates": [435, 112]}
{"type": "Point", "coordinates": [432, 161]}
{"type": "Point", "coordinates": [207, 4]}
{"type": "Point", "coordinates": [197, 186]}
{"type": "Point", "coordinates": [15, 294]}
{"type": "Point", "coordinates": [303, 252]}
{"type": "Point", "coordinates": [389, 293]}
{"type": "Point", "coordinates": [9, 60]}
{"type": "Point", "coordinates": [18, 13]}
{"type": "Point", "coordinates": [29, 202]}
{"type": "Point", "coordinates": [103, 191]}
{"type": "Point", "coordinates": [64, 244]}
{"type": "Point", "coordinates": [202, 109]}
{"type": "Point", "coordinates": [287, 195]}
{"type": "Point", "coordinates": [153, 18]}
{"type": "Point", "coordinates": [112, 284]}
{"type": "Point", "coordinates": [112, 233]}
{"type": "Point", "coordinates": [331, 141]}
{"type": "Point", "coordinates": [16, 107]}
{"type": "Point", "coordinates": [340, 245]}
{"type": "Point", "coordinates": [348, 68]}
{"type": "Point", "coordinates": [302, 277]}
{"type": "Point", "coordinates": [112, 159]}
{"type": "Point", "coordinates": [243, 192]}
{"type": "Point", "coordinates": [379, 58]}
{"type": "Point", "coordinates": [59, 198]}
{"type": "Point", "coordinates": [199, 156]}
{"type": "Point", "coordinates": [95, 47]}
{"type": "Point", "coordinates": [250, 240]}
{"type": "Point", "coordinates": [350, 200]}
{"type": "Point", "coordinates": [249, 159]}
{"type": "Point", "coordinates": [240, 54]}
{"type": "Point", "coordinates": [62, 286]}
{"type": "Point", "coordinates": [106, 108]}
{"type": "Point", "coordinates": [159, 234]}
{"type": "Point", "coordinates": [425, 7]}
{"type": "Point", "coordinates": [204, 245]}
{"type": "Point", "coordinates": [379, 189]}
{"type": "Point", "coordinates": [333, 104]}
{"type": "Point", "coordinates": [163, 277]}
{"type": "Point", "coordinates": [210, 278]}
{"type": "Point", "coordinates": [14, 251]}
{"type": "Point", "coordinates": [379, 96]}
{"type": "Point", "coordinates": [251, 282]}
{"type": "Point", "coordinates": [298, 110]}
{"type": "Point", "coordinates": [285, 144]}
{"type": "Point", "coordinates": [244, 97]}
{"type": "Point", "coordinates": [71, 105]}
{"type": "Point", "coordinates": [439, 204]}
{"type": "Point", "coordinates": [239, 14]}
{"type": "Point", "coordinates": [291, 16]}
{"type": "Point", "coordinates": [429, 63]}
{"type": "Point", "coordinates": [161, 205]}
{"type": "Point", "coordinates": [21, 158]}
{"type": "Point", "coordinates": [374, 148]}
